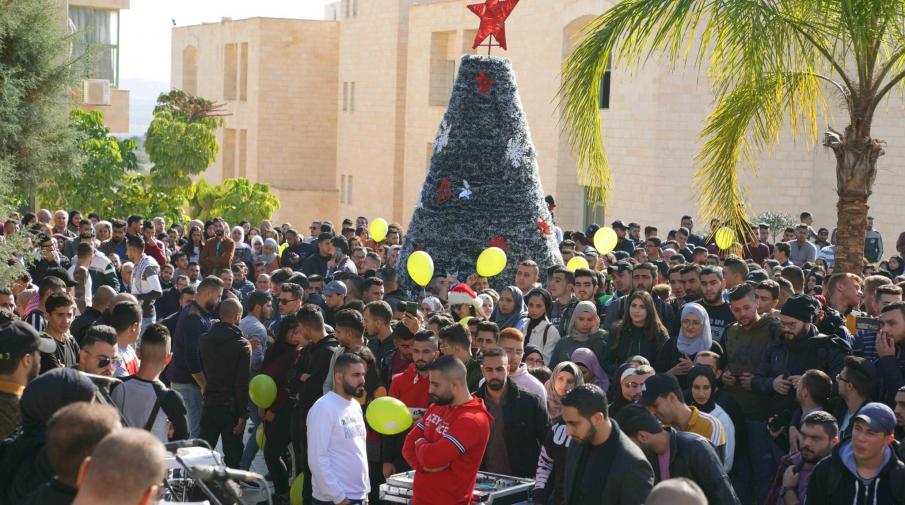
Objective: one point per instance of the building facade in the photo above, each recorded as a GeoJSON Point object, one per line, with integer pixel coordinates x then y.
{"type": "Point", "coordinates": [96, 28]}
{"type": "Point", "coordinates": [339, 116]}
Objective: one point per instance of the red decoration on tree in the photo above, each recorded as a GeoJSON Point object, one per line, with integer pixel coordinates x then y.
{"type": "Point", "coordinates": [543, 227]}
{"type": "Point", "coordinates": [498, 241]}
{"type": "Point", "coordinates": [444, 191]}
{"type": "Point", "coordinates": [493, 14]}
{"type": "Point", "coordinates": [484, 83]}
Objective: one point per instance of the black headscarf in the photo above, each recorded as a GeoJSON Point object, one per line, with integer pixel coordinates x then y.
{"type": "Point", "coordinates": [705, 371]}
{"type": "Point", "coordinates": [548, 302]}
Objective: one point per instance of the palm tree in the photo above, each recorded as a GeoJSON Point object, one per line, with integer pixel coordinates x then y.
{"type": "Point", "coordinates": [769, 61]}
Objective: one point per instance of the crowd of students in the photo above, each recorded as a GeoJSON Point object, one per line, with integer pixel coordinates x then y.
{"type": "Point", "coordinates": [757, 378]}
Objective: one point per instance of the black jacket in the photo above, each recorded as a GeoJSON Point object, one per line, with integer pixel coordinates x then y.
{"type": "Point", "coordinates": [812, 351]}
{"type": "Point", "coordinates": [315, 361]}
{"type": "Point", "coordinates": [86, 320]}
{"type": "Point", "coordinates": [226, 357]}
{"type": "Point", "coordinates": [615, 473]}
{"type": "Point", "coordinates": [692, 457]}
{"type": "Point", "coordinates": [832, 483]}
{"type": "Point", "coordinates": [315, 264]}
{"type": "Point", "coordinates": [525, 423]}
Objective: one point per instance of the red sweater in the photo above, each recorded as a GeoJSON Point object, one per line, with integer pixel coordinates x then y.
{"type": "Point", "coordinates": [411, 388]}
{"type": "Point", "coordinates": [451, 438]}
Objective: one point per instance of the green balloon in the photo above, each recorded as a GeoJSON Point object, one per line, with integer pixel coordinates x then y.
{"type": "Point", "coordinates": [262, 390]}
{"type": "Point", "coordinates": [295, 492]}
{"type": "Point", "coordinates": [260, 437]}
{"type": "Point", "coordinates": [388, 416]}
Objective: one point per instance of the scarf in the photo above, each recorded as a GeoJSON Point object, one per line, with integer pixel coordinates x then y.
{"type": "Point", "coordinates": [692, 346]}
{"type": "Point", "coordinates": [703, 371]}
{"type": "Point", "coordinates": [138, 272]}
{"type": "Point", "coordinates": [582, 307]}
{"type": "Point", "coordinates": [512, 319]}
{"type": "Point", "coordinates": [269, 258]}
{"type": "Point", "coordinates": [587, 358]}
{"type": "Point", "coordinates": [554, 400]}
{"type": "Point", "coordinates": [548, 303]}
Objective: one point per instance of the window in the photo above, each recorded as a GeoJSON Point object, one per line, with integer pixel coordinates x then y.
{"type": "Point", "coordinates": [350, 8]}
{"type": "Point", "coordinates": [348, 96]}
{"type": "Point", "coordinates": [345, 96]}
{"type": "Point", "coordinates": [605, 86]}
{"type": "Point", "coordinates": [243, 72]}
{"type": "Point", "coordinates": [229, 153]}
{"type": "Point", "coordinates": [593, 212]}
{"type": "Point", "coordinates": [230, 69]}
{"type": "Point", "coordinates": [96, 38]}
{"type": "Point", "coordinates": [442, 67]}
{"type": "Point", "coordinates": [352, 96]}
{"type": "Point", "coordinates": [349, 189]}
{"type": "Point", "coordinates": [190, 70]}
{"type": "Point", "coordinates": [345, 189]}
{"type": "Point", "coordinates": [243, 153]}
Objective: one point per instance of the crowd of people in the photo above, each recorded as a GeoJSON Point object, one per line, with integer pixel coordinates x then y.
{"type": "Point", "coordinates": [668, 372]}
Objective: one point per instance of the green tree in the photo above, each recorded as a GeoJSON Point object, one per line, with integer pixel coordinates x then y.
{"type": "Point", "coordinates": [12, 248]}
{"type": "Point", "coordinates": [108, 164]}
{"type": "Point", "coordinates": [36, 73]}
{"type": "Point", "coordinates": [769, 62]}
{"type": "Point", "coordinates": [234, 200]}
{"type": "Point", "coordinates": [777, 221]}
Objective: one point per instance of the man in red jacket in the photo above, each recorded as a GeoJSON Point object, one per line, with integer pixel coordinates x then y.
{"type": "Point", "coordinates": [411, 388]}
{"type": "Point", "coordinates": [446, 447]}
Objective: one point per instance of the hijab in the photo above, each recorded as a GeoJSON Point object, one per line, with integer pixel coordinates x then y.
{"type": "Point", "coordinates": [703, 371]}
{"type": "Point", "coordinates": [269, 258]}
{"type": "Point", "coordinates": [586, 357]}
{"type": "Point", "coordinates": [433, 303]}
{"type": "Point", "coordinates": [548, 302]}
{"type": "Point", "coordinates": [554, 400]}
{"type": "Point", "coordinates": [512, 319]}
{"type": "Point", "coordinates": [582, 307]}
{"type": "Point", "coordinates": [531, 349]}
{"type": "Point", "coordinates": [691, 346]}
{"type": "Point", "coordinates": [240, 244]}
{"type": "Point", "coordinates": [897, 271]}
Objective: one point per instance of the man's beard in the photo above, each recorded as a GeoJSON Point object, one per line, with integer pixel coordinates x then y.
{"type": "Point", "coordinates": [422, 366]}
{"type": "Point", "coordinates": [495, 385]}
{"type": "Point", "coordinates": [712, 301]}
{"type": "Point", "coordinates": [35, 369]}
{"type": "Point", "coordinates": [353, 390]}
{"type": "Point", "coordinates": [808, 456]}
{"type": "Point", "coordinates": [592, 434]}
{"type": "Point", "coordinates": [441, 400]}
{"type": "Point", "coordinates": [210, 306]}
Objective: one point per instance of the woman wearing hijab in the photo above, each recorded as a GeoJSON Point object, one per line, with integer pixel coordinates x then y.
{"type": "Point", "coordinates": [677, 355]}
{"type": "Point", "coordinates": [533, 357]}
{"type": "Point", "coordinates": [24, 465]}
{"type": "Point", "coordinates": [487, 305]}
{"type": "Point", "coordinates": [639, 332]}
{"type": "Point", "coordinates": [590, 368]}
{"type": "Point", "coordinates": [702, 394]}
{"type": "Point", "coordinates": [431, 305]}
{"type": "Point", "coordinates": [539, 331]}
{"type": "Point", "coordinates": [628, 389]}
{"type": "Point", "coordinates": [243, 250]}
{"type": "Point", "coordinates": [584, 331]}
{"type": "Point", "coordinates": [895, 266]}
{"type": "Point", "coordinates": [551, 465]}
{"type": "Point", "coordinates": [510, 311]}
{"type": "Point", "coordinates": [270, 257]}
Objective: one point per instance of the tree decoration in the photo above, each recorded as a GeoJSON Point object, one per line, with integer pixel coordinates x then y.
{"type": "Point", "coordinates": [484, 83]}
{"type": "Point", "coordinates": [442, 137]}
{"type": "Point", "coordinates": [493, 14]}
{"type": "Point", "coordinates": [506, 199]}
{"type": "Point", "coordinates": [543, 227]}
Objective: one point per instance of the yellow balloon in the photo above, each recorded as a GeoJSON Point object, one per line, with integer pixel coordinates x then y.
{"type": "Point", "coordinates": [576, 263]}
{"type": "Point", "coordinates": [420, 266]}
{"type": "Point", "coordinates": [464, 321]}
{"type": "Point", "coordinates": [491, 262]}
{"type": "Point", "coordinates": [725, 237]}
{"type": "Point", "coordinates": [295, 492]}
{"type": "Point", "coordinates": [388, 416]}
{"type": "Point", "coordinates": [260, 437]}
{"type": "Point", "coordinates": [605, 240]}
{"type": "Point", "coordinates": [379, 228]}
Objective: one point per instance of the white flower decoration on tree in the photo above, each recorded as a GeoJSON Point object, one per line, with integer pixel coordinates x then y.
{"type": "Point", "coordinates": [442, 137]}
{"type": "Point", "coordinates": [517, 152]}
{"type": "Point", "coordinates": [466, 191]}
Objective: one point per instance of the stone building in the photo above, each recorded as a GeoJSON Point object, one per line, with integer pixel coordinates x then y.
{"type": "Point", "coordinates": [338, 115]}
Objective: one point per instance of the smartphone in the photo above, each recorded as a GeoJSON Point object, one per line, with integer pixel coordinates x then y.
{"type": "Point", "coordinates": [411, 308]}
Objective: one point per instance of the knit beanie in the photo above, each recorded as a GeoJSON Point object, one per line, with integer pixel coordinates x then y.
{"type": "Point", "coordinates": [802, 307]}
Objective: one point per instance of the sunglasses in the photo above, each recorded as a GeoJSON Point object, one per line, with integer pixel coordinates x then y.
{"type": "Point", "coordinates": [104, 361]}
{"type": "Point", "coordinates": [287, 302]}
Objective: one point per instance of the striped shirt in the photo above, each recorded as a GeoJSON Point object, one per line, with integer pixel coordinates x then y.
{"type": "Point", "coordinates": [707, 426]}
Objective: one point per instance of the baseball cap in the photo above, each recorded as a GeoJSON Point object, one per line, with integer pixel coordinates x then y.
{"type": "Point", "coordinates": [878, 417]}
{"type": "Point", "coordinates": [756, 277]}
{"type": "Point", "coordinates": [658, 385]}
{"type": "Point", "coordinates": [18, 338]}
{"type": "Point", "coordinates": [621, 266]}
{"type": "Point", "coordinates": [634, 418]}
{"type": "Point", "coordinates": [61, 274]}
{"type": "Point", "coordinates": [335, 288]}
{"type": "Point", "coordinates": [619, 224]}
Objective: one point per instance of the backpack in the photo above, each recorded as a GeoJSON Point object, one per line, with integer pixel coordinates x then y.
{"type": "Point", "coordinates": [160, 393]}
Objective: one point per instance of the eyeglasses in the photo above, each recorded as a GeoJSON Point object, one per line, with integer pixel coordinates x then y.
{"type": "Point", "coordinates": [283, 301]}
{"type": "Point", "coordinates": [840, 378]}
{"type": "Point", "coordinates": [691, 322]}
{"type": "Point", "coordinates": [104, 361]}
{"type": "Point", "coordinates": [633, 384]}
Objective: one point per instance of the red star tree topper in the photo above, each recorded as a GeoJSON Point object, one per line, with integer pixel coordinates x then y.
{"type": "Point", "coordinates": [493, 14]}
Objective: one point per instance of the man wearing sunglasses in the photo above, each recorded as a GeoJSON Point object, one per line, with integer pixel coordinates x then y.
{"type": "Point", "coordinates": [98, 353]}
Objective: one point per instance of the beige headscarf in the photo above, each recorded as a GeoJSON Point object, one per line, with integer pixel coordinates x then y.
{"type": "Point", "coordinates": [554, 400]}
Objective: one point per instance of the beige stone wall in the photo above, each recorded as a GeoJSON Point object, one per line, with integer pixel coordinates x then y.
{"type": "Point", "coordinates": [116, 115]}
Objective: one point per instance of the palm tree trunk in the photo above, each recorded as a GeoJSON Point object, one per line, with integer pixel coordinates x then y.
{"type": "Point", "coordinates": [856, 170]}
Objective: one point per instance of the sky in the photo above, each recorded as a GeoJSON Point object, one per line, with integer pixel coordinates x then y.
{"type": "Point", "coordinates": [145, 40]}
{"type": "Point", "coordinates": [145, 27]}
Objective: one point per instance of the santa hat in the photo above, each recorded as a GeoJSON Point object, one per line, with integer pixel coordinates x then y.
{"type": "Point", "coordinates": [462, 295]}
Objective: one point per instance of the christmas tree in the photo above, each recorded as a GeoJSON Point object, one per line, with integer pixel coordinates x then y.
{"type": "Point", "coordinates": [483, 188]}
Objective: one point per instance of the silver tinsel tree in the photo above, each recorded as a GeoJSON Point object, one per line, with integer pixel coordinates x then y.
{"type": "Point", "coordinates": [483, 188]}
